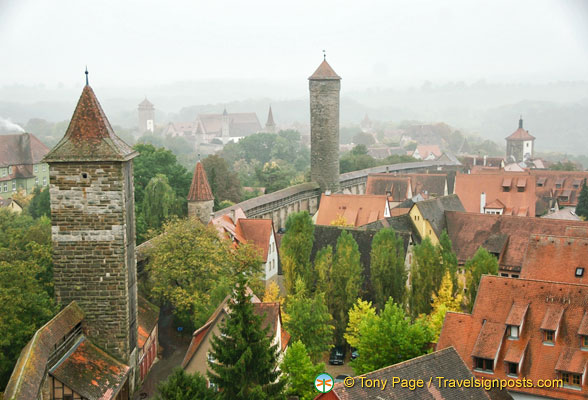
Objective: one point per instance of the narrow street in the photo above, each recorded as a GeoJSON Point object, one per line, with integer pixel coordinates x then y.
{"type": "Point", "coordinates": [173, 347]}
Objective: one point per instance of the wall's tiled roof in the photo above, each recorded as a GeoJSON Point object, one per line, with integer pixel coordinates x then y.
{"type": "Point", "coordinates": [546, 301]}
{"type": "Point", "coordinates": [29, 371]}
{"type": "Point", "coordinates": [356, 209]}
{"type": "Point", "coordinates": [89, 136]}
{"type": "Point", "coordinates": [90, 372]}
{"type": "Point", "coordinates": [23, 148]}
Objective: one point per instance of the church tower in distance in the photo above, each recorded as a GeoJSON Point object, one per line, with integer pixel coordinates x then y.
{"type": "Point", "coordinates": [324, 86]}
{"type": "Point", "coordinates": [93, 228]}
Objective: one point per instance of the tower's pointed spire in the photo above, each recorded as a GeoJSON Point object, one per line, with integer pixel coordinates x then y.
{"type": "Point", "coordinates": [89, 136]}
{"type": "Point", "coordinates": [324, 71]}
{"type": "Point", "coordinates": [86, 75]}
{"type": "Point", "coordinates": [200, 189]}
{"type": "Point", "coordinates": [270, 117]}
{"type": "Point", "coordinates": [521, 122]}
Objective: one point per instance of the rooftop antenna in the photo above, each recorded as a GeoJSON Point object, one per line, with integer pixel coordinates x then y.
{"type": "Point", "coordinates": [324, 55]}
{"type": "Point", "coordinates": [86, 75]}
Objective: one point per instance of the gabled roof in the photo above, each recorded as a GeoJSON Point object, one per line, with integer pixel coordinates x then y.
{"type": "Point", "coordinates": [89, 136]}
{"type": "Point", "coordinates": [356, 209]}
{"type": "Point", "coordinates": [324, 72]}
{"type": "Point", "coordinates": [556, 258]}
{"type": "Point", "coordinates": [493, 305]}
{"type": "Point", "coordinates": [424, 184]}
{"type": "Point", "coordinates": [446, 363]}
{"type": "Point", "coordinates": [23, 148]}
{"type": "Point", "coordinates": [489, 340]}
{"type": "Point", "coordinates": [240, 124]}
{"type": "Point", "coordinates": [200, 189]}
{"type": "Point", "coordinates": [148, 316]}
{"type": "Point", "coordinates": [29, 371]}
{"type": "Point", "coordinates": [146, 104]}
{"type": "Point", "coordinates": [561, 183]}
{"type": "Point", "coordinates": [433, 210]}
{"type": "Point", "coordinates": [90, 372]}
{"type": "Point", "coordinates": [256, 231]}
{"type": "Point", "coordinates": [469, 231]}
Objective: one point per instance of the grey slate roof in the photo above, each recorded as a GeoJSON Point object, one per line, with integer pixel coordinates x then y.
{"type": "Point", "coordinates": [433, 210]}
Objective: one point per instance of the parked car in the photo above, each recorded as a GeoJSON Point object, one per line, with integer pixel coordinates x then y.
{"type": "Point", "coordinates": [337, 355]}
{"type": "Point", "coordinates": [354, 353]}
{"type": "Point", "coordinates": [341, 378]}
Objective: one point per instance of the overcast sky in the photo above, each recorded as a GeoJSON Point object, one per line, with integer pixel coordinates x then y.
{"type": "Point", "coordinates": [368, 43]}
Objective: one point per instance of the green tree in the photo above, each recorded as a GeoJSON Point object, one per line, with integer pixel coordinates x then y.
{"type": "Point", "coordinates": [295, 249]}
{"type": "Point", "coordinates": [483, 263]}
{"type": "Point", "coordinates": [582, 207]}
{"type": "Point", "coordinates": [26, 306]}
{"type": "Point", "coordinates": [563, 166]}
{"type": "Point", "coordinates": [223, 182]}
{"type": "Point", "coordinates": [323, 267]}
{"type": "Point", "coordinates": [244, 362]}
{"type": "Point", "coordinates": [448, 299]}
{"type": "Point", "coordinates": [40, 204]}
{"type": "Point", "coordinates": [159, 202]}
{"type": "Point", "coordinates": [345, 283]}
{"type": "Point", "coordinates": [422, 284]}
{"type": "Point", "coordinates": [181, 385]}
{"type": "Point", "coordinates": [300, 372]}
{"type": "Point", "coordinates": [193, 269]}
{"type": "Point", "coordinates": [308, 320]}
{"type": "Point", "coordinates": [388, 274]}
{"type": "Point", "coordinates": [360, 312]}
{"type": "Point", "coordinates": [448, 257]}
{"type": "Point", "coordinates": [389, 338]}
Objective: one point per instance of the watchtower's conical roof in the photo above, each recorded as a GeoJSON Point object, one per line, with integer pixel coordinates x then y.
{"type": "Point", "coordinates": [324, 71]}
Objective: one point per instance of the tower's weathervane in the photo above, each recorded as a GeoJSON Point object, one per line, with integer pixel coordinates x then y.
{"type": "Point", "coordinates": [324, 54]}
{"type": "Point", "coordinates": [86, 75]}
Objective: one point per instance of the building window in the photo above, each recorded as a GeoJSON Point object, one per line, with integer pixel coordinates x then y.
{"type": "Point", "coordinates": [484, 364]}
{"type": "Point", "coordinates": [579, 272]}
{"type": "Point", "coordinates": [44, 167]}
{"type": "Point", "coordinates": [520, 189]}
{"type": "Point", "coordinates": [14, 186]}
{"type": "Point", "coordinates": [512, 368]}
{"type": "Point", "coordinates": [6, 187]}
{"type": "Point", "coordinates": [3, 171]}
{"type": "Point", "coordinates": [44, 181]}
{"type": "Point", "coordinates": [36, 180]}
{"type": "Point", "coordinates": [514, 276]}
{"type": "Point", "coordinates": [506, 188]}
{"type": "Point", "coordinates": [10, 170]}
{"type": "Point", "coordinates": [548, 337]}
{"type": "Point", "coordinates": [513, 332]}
{"type": "Point", "coordinates": [573, 380]}
{"type": "Point", "coordinates": [36, 168]}
{"type": "Point", "coordinates": [503, 274]}
{"type": "Point", "coordinates": [584, 342]}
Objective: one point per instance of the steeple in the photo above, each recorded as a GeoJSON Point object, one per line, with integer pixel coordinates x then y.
{"type": "Point", "coordinates": [200, 197]}
{"type": "Point", "coordinates": [521, 122]}
{"type": "Point", "coordinates": [89, 136]}
{"type": "Point", "coordinates": [270, 125]}
{"type": "Point", "coordinates": [324, 71]}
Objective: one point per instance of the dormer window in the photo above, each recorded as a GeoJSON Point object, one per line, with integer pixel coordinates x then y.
{"type": "Point", "coordinates": [513, 332]}
{"type": "Point", "coordinates": [512, 369]}
{"type": "Point", "coordinates": [571, 380]}
{"type": "Point", "coordinates": [548, 337]}
{"type": "Point", "coordinates": [579, 272]}
{"type": "Point", "coordinates": [484, 364]}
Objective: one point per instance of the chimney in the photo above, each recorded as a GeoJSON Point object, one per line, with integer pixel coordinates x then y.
{"type": "Point", "coordinates": [521, 122]}
{"type": "Point", "coordinates": [327, 192]}
{"type": "Point", "coordinates": [233, 215]}
{"type": "Point", "coordinates": [387, 169]}
{"type": "Point", "coordinates": [474, 159]}
{"type": "Point", "coordinates": [482, 202]}
{"type": "Point", "coordinates": [485, 156]}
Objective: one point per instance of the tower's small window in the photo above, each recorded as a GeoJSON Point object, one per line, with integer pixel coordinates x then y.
{"type": "Point", "coordinates": [85, 175]}
{"type": "Point", "coordinates": [579, 272]}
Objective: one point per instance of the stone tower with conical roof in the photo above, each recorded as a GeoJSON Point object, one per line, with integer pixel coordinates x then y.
{"type": "Point", "coordinates": [200, 198]}
{"type": "Point", "coordinates": [146, 113]}
{"type": "Point", "coordinates": [270, 125]}
{"type": "Point", "coordinates": [324, 86]}
{"type": "Point", "coordinates": [93, 228]}
{"type": "Point", "coordinates": [519, 145]}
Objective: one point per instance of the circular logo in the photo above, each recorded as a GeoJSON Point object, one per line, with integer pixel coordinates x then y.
{"type": "Point", "coordinates": [324, 383]}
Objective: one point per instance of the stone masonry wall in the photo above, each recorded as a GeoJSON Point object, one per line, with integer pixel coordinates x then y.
{"type": "Point", "coordinates": [89, 240]}
{"type": "Point", "coordinates": [514, 148]}
{"type": "Point", "coordinates": [324, 133]}
{"type": "Point", "coordinates": [201, 210]}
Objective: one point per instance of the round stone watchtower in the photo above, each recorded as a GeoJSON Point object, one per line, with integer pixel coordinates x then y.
{"type": "Point", "coordinates": [324, 86]}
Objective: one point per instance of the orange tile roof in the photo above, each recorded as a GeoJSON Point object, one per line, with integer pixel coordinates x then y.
{"type": "Point", "coordinates": [424, 150]}
{"type": "Point", "coordinates": [469, 188]}
{"type": "Point", "coordinates": [520, 134]}
{"type": "Point", "coordinates": [89, 136]}
{"type": "Point", "coordinates": [489, 340]}
{"type": "Point", "coordinates": [570, 184]}
{"type": "Point", "coordinates": [424, 184]}
{"type": "Point", "coordinates": [256, 231]}
{"type": "Point", "coordinates": [200, 189]}
{"type": "Point", "coordinates": [493, 305]}
{"type": "Point", "coordinates": [517, 313]}
{"type": "Point", "coordinates": [503, 234]}
{"type": "Point", "coordinates": [148, 316]}
{"type": "Point", "coordinates": [556, 258]}
{"type": "Point", "coordinates": [324, 71]}
{"type": "Point", "coordinates": [357, 209]}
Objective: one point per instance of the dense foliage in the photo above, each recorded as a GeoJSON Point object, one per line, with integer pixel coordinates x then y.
{"type": "Point", "coordinates": [300, 372]}
{"type": "Point", "coordinates": [582, 207]}
{"type": "Point", "coordinates": [295, 250]}
{"type": "Point", "coordinates": [388, 274]}
{"type": "Point", "coordinates": [181, 385]}
{"type": "Point", "coordinates": [483, 263]}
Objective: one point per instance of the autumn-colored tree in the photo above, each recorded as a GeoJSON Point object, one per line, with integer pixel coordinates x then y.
{"type": "Point", "coordinates": [388, 274]}
{"type": "Point", "coordinates": [445, 301]}
{"type": "Point", "coordinates": [483, 263]}
{"type": "Point", "coordinates": [448, 257]}
{"type": "Point", "coordinates": [272, 293]}
{"type": "Point", "coordinates": [323, 267]}
{"type": "Point", "coordinates": [360, 312]}
{"type": "Point", "coordinates": [340, 221]}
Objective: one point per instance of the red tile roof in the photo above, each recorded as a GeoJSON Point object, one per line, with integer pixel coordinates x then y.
{"type": "Point", "coordinates": [556, 258]}
{"type": "Point", "coordinates": [489, 340]}
{"type": "Point", "coordinates": [324, 71]}
{"type": "Point", "coordinates": [469, 188]}
{"type": "Point", "coordinates": [517, 313]}
{"type": "Point", "coordinates": [257, 232]}
{"type": "Point", "coordinates": [90, 372]}
{"type": "Point", "coordinates": [89, 136]}
{"type": "Point", "coordinates": [200, 189]}
{"type": "Point", "coordinates": [503, 234]}
{"type": "Point", "coordinates": [356, 209]}
{"type": "Point", "coordinates": [561, 183]}
{"type": "Point", "coordinates": [20, 149]}
{"type": "Point", "coordinates": [572, 360]}
{"type": "Point", "coordinates": [423, 184]}
{"type": "Point", "coordinates": [520, 134]}
{"type": "Point", "coordinates": [493, 305]}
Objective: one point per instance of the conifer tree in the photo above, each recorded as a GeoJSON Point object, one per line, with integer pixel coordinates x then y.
{"type": "Point", "coordinates": [183, 386]}
{"type": "Point", "coordinates": [244, 365]}
{"type": "Point", "coordinates": [345, 283]}
{"type": "Point", "coordinates": [582, 207]}
{"type": "Point", "coordinates": [388, 275]}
